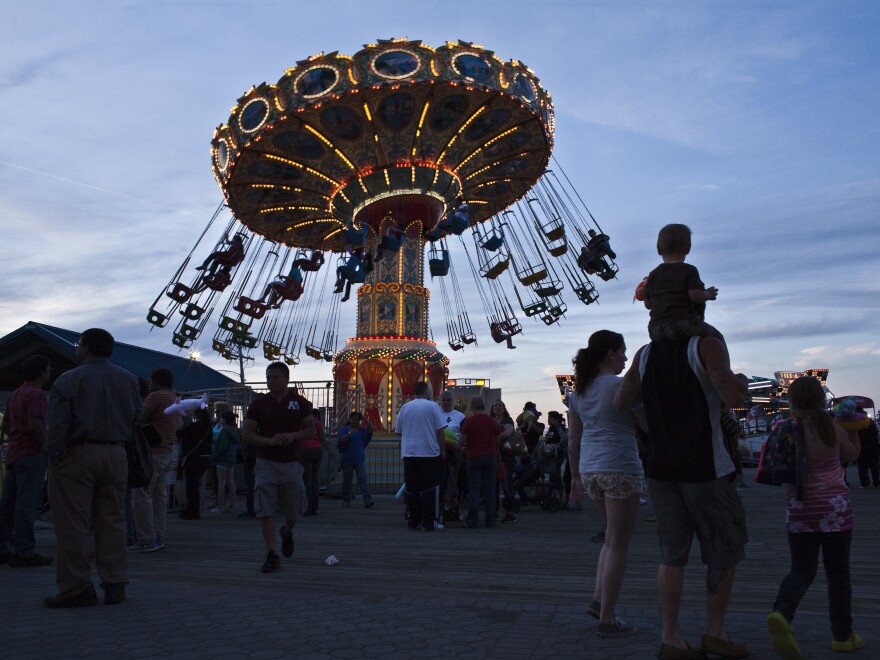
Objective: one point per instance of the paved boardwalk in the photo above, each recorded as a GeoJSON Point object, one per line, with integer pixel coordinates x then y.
{"type": "Point", "coordinates": [517, 591]}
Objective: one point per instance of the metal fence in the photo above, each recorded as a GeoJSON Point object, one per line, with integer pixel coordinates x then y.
{"type": "Point", "coordinates": [334, 401]}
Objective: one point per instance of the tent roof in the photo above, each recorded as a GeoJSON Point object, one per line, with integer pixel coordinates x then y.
{"type": "Point", "coordinates": [58, 345]}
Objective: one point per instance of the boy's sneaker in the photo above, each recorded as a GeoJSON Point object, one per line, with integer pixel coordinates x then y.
{"type": "Point", "coordinates": [160, 543]}
{"type": "Point", "coordinates": [272, 563]}
{"type": "Point", "coordinates": [286, 542]}
{"type": "Point", "coordinates": [854, 642]}
{"type": "Point", "coordinates": [143, 547]}
{"type": "Point", "coordinates": [782, 638]}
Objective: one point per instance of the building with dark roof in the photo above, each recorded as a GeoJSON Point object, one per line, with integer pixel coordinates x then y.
{"type": "Point", "coordinates": [58, 345]}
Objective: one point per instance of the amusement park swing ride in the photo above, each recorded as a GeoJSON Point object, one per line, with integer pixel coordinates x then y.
{"type": "Point", "coordinates": [362, 170]}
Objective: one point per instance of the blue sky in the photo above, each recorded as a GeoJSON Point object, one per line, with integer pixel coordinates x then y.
{"type": "Point", "coordinates": [755, 123]}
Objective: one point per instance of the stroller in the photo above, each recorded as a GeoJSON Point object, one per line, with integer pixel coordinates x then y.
{"type": "Point", "coordinates": [537, 478]}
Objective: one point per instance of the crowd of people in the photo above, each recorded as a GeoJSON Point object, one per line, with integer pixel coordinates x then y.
{"type": "Point", "coordinates": [660, 428]}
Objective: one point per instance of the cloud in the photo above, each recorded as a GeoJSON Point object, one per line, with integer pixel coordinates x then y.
{"type": "Point", "coordinates": [22, 74]}
{"type": "Point", "coordinates": [733, 119]}
{"type": "Point", "coordinates": [798, 328]}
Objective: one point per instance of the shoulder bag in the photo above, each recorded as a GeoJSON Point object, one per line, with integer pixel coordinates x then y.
{"type": "Point", "coordinates": [151, 434]}
{"type": "Point", "coordinates": [783, 459]}
{"type": "Point", "coordinates": [514, 445]}
{"type": "Point", "coordinates": [140, 459]}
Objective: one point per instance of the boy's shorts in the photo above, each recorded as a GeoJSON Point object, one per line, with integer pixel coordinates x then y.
{"type": "Point", "coordinates": [278, 486]}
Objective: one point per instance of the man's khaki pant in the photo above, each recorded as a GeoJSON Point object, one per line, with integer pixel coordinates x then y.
{"type": "Point", "coordinates": [87, 493]}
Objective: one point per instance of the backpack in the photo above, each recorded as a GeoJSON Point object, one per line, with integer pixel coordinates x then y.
{"type": "Point", "coordinates": [783, 459]}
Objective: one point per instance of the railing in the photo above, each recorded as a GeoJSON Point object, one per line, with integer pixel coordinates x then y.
{"type": "Point", "coordinates": [335, 401]}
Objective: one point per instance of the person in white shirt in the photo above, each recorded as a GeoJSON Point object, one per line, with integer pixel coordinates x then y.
{"type": "Point", "coordinates": [454, 478]}
{"type": "Point", "coordinates": [420, 424]}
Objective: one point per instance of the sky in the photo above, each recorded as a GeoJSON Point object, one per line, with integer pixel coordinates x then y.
{"type": "Point", "coordinates": [754, 123]}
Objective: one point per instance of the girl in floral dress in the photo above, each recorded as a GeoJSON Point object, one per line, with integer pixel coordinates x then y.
{"type": "Point", "coordinates": [822, 520]}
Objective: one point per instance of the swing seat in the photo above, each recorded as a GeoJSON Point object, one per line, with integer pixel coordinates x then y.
{"type": "Point", "coordinates": [180, 340]}
{"type": "Point", "coordinates": [553, 230]}
{"type": "Point", "coordinates": [311, 264]}
{"type": "Point", "coordinates": [493, 242]}
{"type": "Point", "coordinates": [549, 288]}
{"type": "Point", "coordinates": [189, 331]}
{"type": "Point", "coordinates": [504, 331]}
{"type": "Point", "coordinates": [314, 352]}
{"type": "Point", "coordinates": [250, 307]}
{"type": "Point", "coordinates": [509, 326]}
{"type": "Point", "coordinates": [559, 249]}
{"type": "Point", "coordinates": [217, 281]}
{"type": "Point", "coordinates": [179, 292]}
{"type": "Point", "coordinates": [358, 275]}
{"type": "Point", "coordinates": [271, 349]}
{"type": "Point", "coordinates": [554, 314]}
{"type": "Point", "coordinates": [231, 256]}
{"type": "Point", "coordinates": [588, 264]}
{"type": "Point", "coordinates": [532, 274]}
{"type": "Point", "coordinates": [233, 325]}
{"type": "Point", "coordinates": [586, 293]}
{"type": "Point", "coordinates": [535, 308]}
{"type": "Point", "coordinates": [456, 345]}
{"type": "Point", "coordinates": [435, 234]}
{"type": "Point", "coordinates": [609, 272]}
{"type": "Point", "coordinates": [468, 338]}
{"type": "Point", "coordinates": [244, 340]}
{"type": "Point", "coordinates": [600, 247]}
{"type": "Point", "coordinates": [354, 271]}
{"type": "Point", "coordinates": [494, 267]}
{"type": "Point", "coordinates": [456, 223]}
{"type": "Point", "coordinates": [192, 311]}
{"type": "Point", "coordinates": [328, 356]}
{"type": "Point", "coordinates": [290, 289]}
{"type": "Point", "coordinates": [292, 360]}
{"type": "Point", "coordinates": [157, 318]}
{"type": "Point", "coordinates": [356, 237]}
{"type": "Point", "coordinates": [439, 266]}
{"type": "Point", "coordinates": [390, 243]}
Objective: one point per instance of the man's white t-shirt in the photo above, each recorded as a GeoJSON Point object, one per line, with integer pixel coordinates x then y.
{"type": "Point", "coordinates": [417, 424]}
{"type": "Point", "coordinates": [454, 419]}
